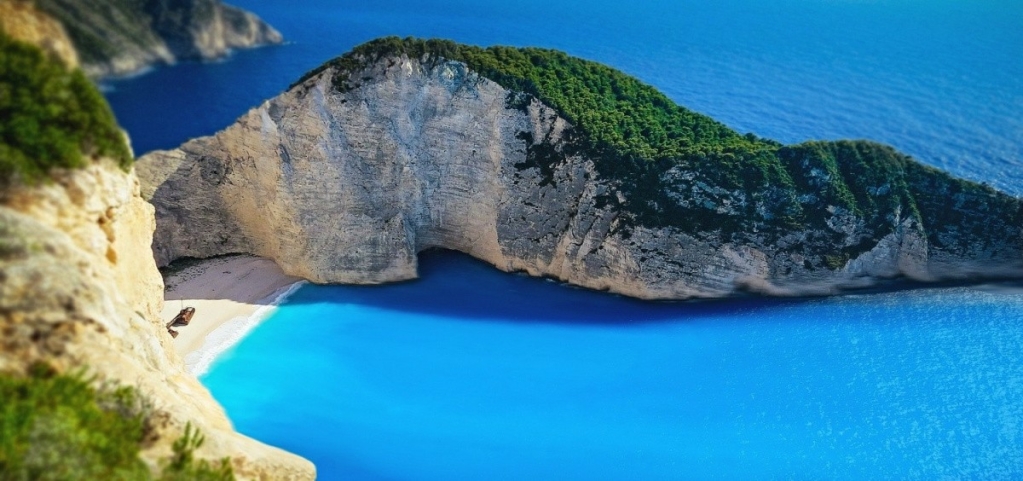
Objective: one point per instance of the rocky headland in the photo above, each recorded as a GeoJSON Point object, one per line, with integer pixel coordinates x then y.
{"type": "Point", "coordinates": [535, 161]}
{"type": "Point", "coordinates": [118, 37]}
{"type": "Point", "coordinates": [528, 159]}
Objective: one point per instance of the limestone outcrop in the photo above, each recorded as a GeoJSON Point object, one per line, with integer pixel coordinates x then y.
{"type": "Point", "coordinates": [117, 37]}
{"type": "Point", "coordinates": [346, 182]}
{"type": "Point", "coordinates": [79, 289]}
{"type": "Point", "coordinates": [22, 21]}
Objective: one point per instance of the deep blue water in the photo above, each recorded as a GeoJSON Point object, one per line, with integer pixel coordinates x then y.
{"type": "Point", "coordinates": [473, 374]}
{"type": "Point", "coordinates": [469, 373]}
{"type": "Point", "coordinates": [939, 79]}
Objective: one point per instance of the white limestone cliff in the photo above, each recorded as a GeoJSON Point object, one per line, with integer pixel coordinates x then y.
{"type": "Point", "coordinates": [348, 186]}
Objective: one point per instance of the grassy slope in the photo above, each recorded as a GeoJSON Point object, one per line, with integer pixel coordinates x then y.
{"type": "Point", "coordinates": [640, 139]}
{"type": "Point", "coordinates": [51, 117]}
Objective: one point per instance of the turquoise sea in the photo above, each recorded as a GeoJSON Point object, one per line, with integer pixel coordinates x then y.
{"type": "Point", "coordinates": [473, 374]}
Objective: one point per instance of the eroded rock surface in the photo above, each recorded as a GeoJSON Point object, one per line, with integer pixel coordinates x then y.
{"type": "Point", "coordinates": [119, 37]}
{"type": "Point", "coordinates": [79, 289]}
{"type": "Point", "coordinates": [22, 21]}
{"type": "Point", "coordinates": [346, 184]}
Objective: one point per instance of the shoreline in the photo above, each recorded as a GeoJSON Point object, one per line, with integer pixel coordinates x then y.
{"type": "Point", "coordinates": [230, 332]}
{"type": "Point", "coordinates": [231, 296]}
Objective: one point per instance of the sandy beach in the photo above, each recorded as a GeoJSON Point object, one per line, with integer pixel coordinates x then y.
{"type": "Point", "coordinates": [230, 295]}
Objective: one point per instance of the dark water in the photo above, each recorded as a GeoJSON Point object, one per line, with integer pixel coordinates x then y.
{"type": "Point", "coordinates": [938, 79]}
{"type": "Point", "coordinates": [472, 374]}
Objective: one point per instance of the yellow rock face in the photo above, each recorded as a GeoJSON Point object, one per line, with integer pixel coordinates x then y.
{"type": "Point", "coordinates": [24, 22]}
{"type": "Point", "coordinates": [79, 288]}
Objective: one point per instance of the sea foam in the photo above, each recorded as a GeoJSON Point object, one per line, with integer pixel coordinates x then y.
{"type": "Point", "coordinates": [230, 333]}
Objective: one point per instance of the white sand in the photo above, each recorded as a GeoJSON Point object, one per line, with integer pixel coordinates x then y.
{"type": "Point", "coordinates": [230, 296]}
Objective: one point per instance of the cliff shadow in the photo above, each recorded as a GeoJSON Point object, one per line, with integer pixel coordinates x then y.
{"type": "Point", "coordinates": [235, 277]}
{"type": "Point", "coordinates": [452, 284]}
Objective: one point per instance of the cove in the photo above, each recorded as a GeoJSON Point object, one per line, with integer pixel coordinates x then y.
{"type": "Point", "coordinates": [470, 373]}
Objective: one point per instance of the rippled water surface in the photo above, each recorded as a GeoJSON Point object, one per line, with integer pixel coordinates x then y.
{"type": "Point", "coordinates": [473, 374]}
{"type": "Point", "coordinates": [939, 79]}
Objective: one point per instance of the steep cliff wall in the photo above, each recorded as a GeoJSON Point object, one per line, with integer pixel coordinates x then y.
{"type": "Point", "coordinates": [351, 173]}
{"type": "Point", "coordinates": [79, 288]}
{"type": "Point", "coordinates": [22, 21]}
{"type": "Point", "coordinates": [78, 285]}
{"type": "Point", "coordinates": [115, 37]}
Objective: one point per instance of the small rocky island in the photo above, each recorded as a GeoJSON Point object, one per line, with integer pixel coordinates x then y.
{"type": "Point", "coordinates": [536, 161]}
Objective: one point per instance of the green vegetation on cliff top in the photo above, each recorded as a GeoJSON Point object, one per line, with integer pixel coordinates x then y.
{"type": "Point", "coordinates": [614, 110]}
{"type": "Point", "coordinates": [60, 427]}
{"type": "Point", "coordinates": [678, 168]}
{"type": "Point", "coordinates": [51, 117]}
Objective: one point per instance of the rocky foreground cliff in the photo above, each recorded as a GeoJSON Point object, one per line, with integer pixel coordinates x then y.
{"type": "Point", "coordinates": [404, 145]}
{"type": "Point", "coordinates": [79, 289]}
{"type": "Point", "coordinates": [118, 37]}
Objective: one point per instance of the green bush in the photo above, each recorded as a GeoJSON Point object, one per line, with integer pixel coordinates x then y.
{"type": "Point", "coordinates": [60, 427]}
{"type": "Point", "coordinates": [678, 168]}
{"type": "Point", "coordinates": [50, 116]}
{"type": "Point", "coordinates": [632, 132]}
{"type": "Point", "coordinates": [183, 466]}
{"type": "Point", "coordinates": [615, 111]}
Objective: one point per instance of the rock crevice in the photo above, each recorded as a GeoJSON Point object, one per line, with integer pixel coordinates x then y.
{"type": "Point", "coordinates": [347, 185]}
{"type": "Point", "coordinates": [79, 289]}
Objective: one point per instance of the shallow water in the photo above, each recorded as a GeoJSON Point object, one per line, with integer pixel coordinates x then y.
{"type": "Point", "coordinates": [469, 373]}
{"type": "Point", "coordinates": [474, 374]}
